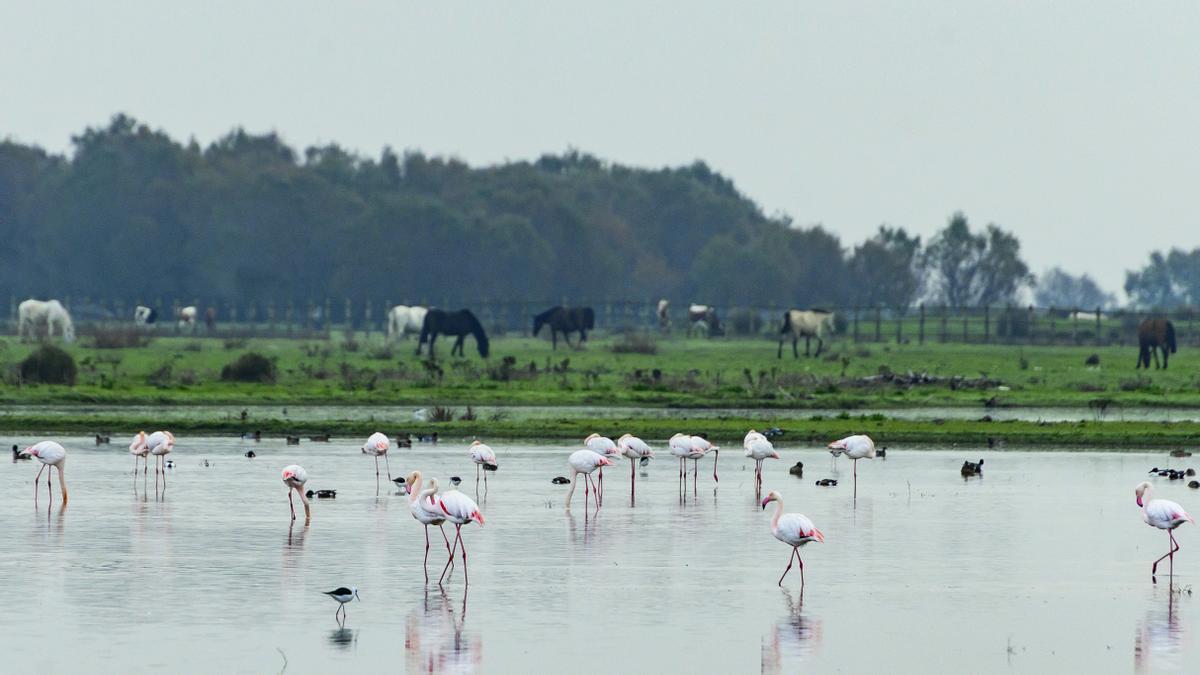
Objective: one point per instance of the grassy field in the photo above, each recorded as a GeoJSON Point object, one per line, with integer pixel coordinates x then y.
{"type": "Point", "coordinates": [682, 373]}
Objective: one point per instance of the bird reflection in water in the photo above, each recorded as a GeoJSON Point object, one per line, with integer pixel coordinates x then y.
{"type": "Point", "coordinates": [343, 638]}
{"type": "Point", "coordinates": [435, 640]}
{"type": "Point", "coordinates": [1158, 646]}
{"type": "Point", "coordinates": [791, 640]}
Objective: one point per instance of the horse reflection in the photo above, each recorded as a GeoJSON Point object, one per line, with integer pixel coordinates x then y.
{"type": "Point", "coordinates": [793, 639]}
{"type": "Point", "coordinates": [1158, 645]}
{"type": "Point", "coordinates": [434, 638]}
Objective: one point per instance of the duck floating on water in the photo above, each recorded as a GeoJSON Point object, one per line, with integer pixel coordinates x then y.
{"type": "Point", "coordinates": [321, 494]}
{"type": "Point", "coordinates": [827, 482]}
{"type": "Point", "coordinates": [102, 440]}
{"type": "Point", "coordinates": [1194, 484]}
{"type": "Point", "coordinates": [1180, 453]}
{"type": "Point", "coordinates": [293, 440]}
{"type": "Point", "coordinates": [20, 454]}
{"type": "Point", "coordinates": [972, 468]}
{"type": "Point", "coordinates": [797, 469]}
{"type": "Point", "coordinates": [455, 480]}
{"type": "Point", "coordinates": [560, 480]}
{"type": "Point", "coordinates": [250, 454]}
{"type": "Point", "coordinates": [319, 438]}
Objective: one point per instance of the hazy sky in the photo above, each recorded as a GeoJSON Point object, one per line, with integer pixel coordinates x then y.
{"type": "Point", "coordinates": [1073, 124]}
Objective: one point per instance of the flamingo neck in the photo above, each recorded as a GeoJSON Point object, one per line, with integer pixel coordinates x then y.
{"type": "Point", "coordinates": [62, 483]}
{"type": "Point", "coordinates": [571, 492]}
{"type": "Point", "coordinates": [414, 494]}
{"type": "Point", "coordinates": [778, 513]}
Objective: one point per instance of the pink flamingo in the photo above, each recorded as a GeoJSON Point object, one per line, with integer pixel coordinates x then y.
{"type": "Point", "coordinates": [856, 448]}
{"type": "Point", "coordinates": [294, 476]}
{"type": "Point", "coordinates": [759, 449]}
{"type": "Point", "coordinates": [377, 444]}
{"type": "Point", "coordinates": [1165, 515]}
{"type": "Point", "coordinates": [424, 509]}
{"type": "Point", "coordinates": [139, 448]}
{"type": "Point", "coordinates": [635, 449]}
{"type": "Point", "coordinates": [694, 448]}
{"type": "Point", "coordinates": [484, 457]}
{"type": "Point", "coordinates": [793, 529]}
{"type": "Point", "coordinates": [52, 455]}
{"type": "Point", "coordinates": [601, 445]}
{"type": "Point", "coordinates": [585, 462]}
{"type": "Point", "coordinates": [160, 444]}
{"type": "Point", "coordinates": [460, 510]}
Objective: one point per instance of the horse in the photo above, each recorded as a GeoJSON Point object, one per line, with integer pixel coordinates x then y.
{"type": "Point", "coordinates": [145, 316]}
{"type": "Point", "coordinates": [403, 320]}
{"type": "Point", "coordinates": [565, 320]}
{"type": "Point", "coordinates": [33, 314]}
{"type": "Point", "coordinates": [210, 319]}
{"type": "Point", "coordinates": [186, 317]}
{"type": "Point", "coordinates": [458, 323]}
{"type": "Point", "coordinates": [664, 319]}
{"type": "Point", "coordinates": [808, 324]}
{"type": "Point", "coordinates": [1153, 335]}
{"type": "Point", "coordinates": [703, 317]}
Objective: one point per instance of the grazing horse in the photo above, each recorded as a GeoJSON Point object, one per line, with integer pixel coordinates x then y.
{"type": "Point", "coordinates": [403, 320]}
{"type": "Point", "coordinates": [808, 324]}
{"type": "Point", "coordinates": [664, 319]}
{"type": "Point", "coordinates": [565, 320]}
{"type": "Point", "coordinates": [144, 316]}
{"type": "Point", "coordinates": [458, 323]}
{"type": "Point", "coordinates": [703, 317]}
{"type": "Point", "coordinates": [1153, 335]}
{"type": "Point", "coordinates": [33, 314]}
{"type": "Point", "coordinates": [210, 319]}
{"type": "Point", "coordinates": [186, 316]}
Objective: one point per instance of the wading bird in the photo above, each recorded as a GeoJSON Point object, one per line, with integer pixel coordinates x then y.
{"type": "Point", "coordinates": [425, 510]}
{"type": "Point", "coordinates": [160, 444]}
{"type": "Point", "coordinates": [636, 450]}
{"type": "Point", "coordinates": [605, 446]}
{"type": "Point", "coordinates": [585, 462]}
{"type": "Point", "coordinates": [793, 529]}
{"type": "Point", "coordinates": [483, 456]}
{"type": "Point", "coordinates": [294, 476]}
{"type": "Point", "coordinates": [694, 448]}
{"type": "Point", "coordinates": [139, 448]}
{"type": "Point", "coordinates": [52, 455]}
{"type": "Point", "coordinates": [460, 510]}
{"type": "Point", "coordinates": [856, 448]}
{"type": "Point", "coordinates": [343, 595]}
{"type": "Point", "coordinates": [758, 448]}
{"type": "Point", "coordinates": [1165, 515]}
{"type": "Point", "coordinates": [376, 445]}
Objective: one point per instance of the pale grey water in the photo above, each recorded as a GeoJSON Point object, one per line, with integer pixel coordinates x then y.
{"type": "Point", "coordinates": [1041, 566]}
{"type": "Point", "coordinates": [411, 414]}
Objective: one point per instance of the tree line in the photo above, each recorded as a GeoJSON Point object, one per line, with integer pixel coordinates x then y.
{"type": "Point", "coordinates": [131, 212]}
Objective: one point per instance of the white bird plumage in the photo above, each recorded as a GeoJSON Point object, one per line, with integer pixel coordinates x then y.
{"type": "Point", "coordinates": [482, 455]}
{"type": "Point", "coordinates": [758, 448]}
{"type": "Point", "coordinates": [635, 449]}
{"type": "Point", "coordinates": [460, 510]}
{"type": "Point", "coordinates": [294, 477]}
{"type": "Point", "coordinates": [1164, 515]}
{"type": "Point", "coordinates": [377, 445]}
{"type": "Point", "coordinates": [855, 447]}
{"type": "Point", "coordinates": [585, 462]}
{"type": "Point", "coordinates": [54, 456]}
{"type": "Point", "coordinates": [793, 529]}
{"type": "Point", "coordinates": [422, 507]}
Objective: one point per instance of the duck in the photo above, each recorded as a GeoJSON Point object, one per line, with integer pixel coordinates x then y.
{"type": "Point", "coordinates": [1180, 453]}
{"type": "Point", "coordinates": [428, 438]}
{"type": "Point", "coordinates": [1190, 472]}
{"type": "Point", "coordinates": [455, 481]}
{"type": "Point", "coordinates": [881, 453]}
{"type": "Point", "coordinates": [102, 440]}
{"type": "Point", "coordinates": [972, 468]}
{"type": "Point", "coordinates": [827, 482]}
{"type": "Point", "coordinates": [321, 494]}
{"type": "Point", "coordinates": [797, 469]}
{"type": "Point", "coordinates": [490, 467]}
{"type": "Point", "coordinates": [293, 440]}
{"type": "Point", "coordinates": [560, 480]}
{"type": "Point", "coordinates": [319, 438]}
{"type": "Point", "coordinates": [250, 454]}
{"type": "Point", "coordinates": [20, 454]}
{"type": "Point", "coordinates": [404, 441]}
{"type": "Point", "coordinates": [1194, 484]}
{"type": "Point", "coordinates": [774, 432]}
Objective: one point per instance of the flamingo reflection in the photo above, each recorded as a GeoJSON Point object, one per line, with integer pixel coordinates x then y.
{"type": "Point", "coordinates": [1158, 645]}
{"type": "Point", "coordinates": [435, 640]}
{"type": "Point", "coordinates": [793, 639]}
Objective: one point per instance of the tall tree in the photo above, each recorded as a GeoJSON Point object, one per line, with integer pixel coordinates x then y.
{"type": "Point", "coordinates": [1166, 281]}
{"type": "Point", "coordinates": [969, 269]}
{"type": "Point", "coordinates": [1057, 288]}
{"type": "Point", "coordinates": [886, 269]}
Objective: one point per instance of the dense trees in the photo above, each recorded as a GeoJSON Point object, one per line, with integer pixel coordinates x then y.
{"type": "Point", "coordinates": [1057, 288]}
{"type": "Point", "coordinates": [968, 269]}
{"type": "Point", "coordinates": [1167, 280]}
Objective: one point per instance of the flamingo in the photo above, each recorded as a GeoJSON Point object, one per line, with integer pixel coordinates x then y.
{"type": "Point", "coordinates": [294, 476]}
{"type": "Point", "coordinates": [793, 529]}
{"type": "Point", "coordinates": [1165, 515]}
{"type": "Point", "coordinates": [425, 510]}
{"type": "Point", "coordinates": [460, 510]}
{"type": "Point", "coordinates": [601, 445]}
{"type": "Point", "coordinates": [759, 448]}
{"type": "Point", "coordinates": [52, 455]}
{"type": "Point", "coordinates": [585, 462]}
{"type": "Point", "coordinates": [376, 445]}
{"type": "Point", "coordinates": [483, 456]}
{"type": "Point", "coordinates": [694, 448]}
{"type": "Point", "coordinates": [635, 449]}
{"type": "Point", "coordinates": [856, 448]}
{"type": "Point", "coordinates": [159, 444]}
{"type": "Point", "coordinates": [139, 448]}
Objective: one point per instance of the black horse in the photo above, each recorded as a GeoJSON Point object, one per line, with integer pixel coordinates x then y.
{"type": "Point", "coordinates": [458, 323]}
{"type": "Point", "coordinates": [1153, 335]}
{"type": "Point", "coordinates": [565, 320]}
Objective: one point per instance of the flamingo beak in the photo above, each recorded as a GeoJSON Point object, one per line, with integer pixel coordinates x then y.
{"type": "Point", "coordinates": [764, 503]}
{"type": "Point", "coordinates": [1139, 500]}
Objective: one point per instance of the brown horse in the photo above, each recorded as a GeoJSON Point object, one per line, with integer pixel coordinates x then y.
{"type": "Point", "coordinates": [1153, 335]}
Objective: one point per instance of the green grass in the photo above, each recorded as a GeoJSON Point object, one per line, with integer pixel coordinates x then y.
{"type": "Point", "coordinates": [690, 373]}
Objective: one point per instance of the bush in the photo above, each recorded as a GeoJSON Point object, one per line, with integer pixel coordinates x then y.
{"type": "Point", "coordinates": [49, 365]}
{"type": "Point", "coordinates": [635, 343]}
{"type": "Point", "coordinates": [250, 367]}
{"type": "Point", "coordinates": [119, 337]}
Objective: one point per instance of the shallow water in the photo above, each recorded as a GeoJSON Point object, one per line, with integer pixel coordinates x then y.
{"type": "Point", "coordinates": [1040, 566]}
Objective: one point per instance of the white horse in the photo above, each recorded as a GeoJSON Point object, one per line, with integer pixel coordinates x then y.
{"type": "Point", "coordinates": [33, 314]}
{"type": "Point", "coordinates": [186, 317]}
{"type": "Point", "coordinates": [664, 319]}
{"type": "Point", "coordinates": [145, 316]}
{"type": "Point", "coordinates": [808, 324]}
{"type": "Point", "coordinates": [403, 320]}
{"type": "Point", "coordinates": [703, 317]}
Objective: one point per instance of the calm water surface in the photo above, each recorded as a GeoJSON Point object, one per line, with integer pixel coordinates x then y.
{"type": "Point", "coordinates": [1041, 566]}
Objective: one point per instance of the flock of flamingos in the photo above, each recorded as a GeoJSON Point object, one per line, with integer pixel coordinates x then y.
{"type": "Point", "coordinates": [430, 505]}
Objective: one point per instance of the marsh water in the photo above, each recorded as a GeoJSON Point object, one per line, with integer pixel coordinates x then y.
{"type": "Point", "coordinates": [1041, 565]}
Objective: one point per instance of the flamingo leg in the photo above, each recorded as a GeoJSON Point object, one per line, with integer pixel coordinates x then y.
{"type": "Point", "coordinates": [426, 565]}
{"type": "Point", "coordinates": [632, 481]}
{"type": "Point", "coordinates": [716, 456]}
{"type": "Point", "coordinates": [801, 561]}
{"type": "Point", "coordinates": [376, 466]}
{"type": "Point", "coordinates": [457, 536]}
{"type": "Point", "coordinates": [49, 486]}
{"type": "Point", "coordinates": [856, 479]}
{"type": "Point", "coordinates": [463, 547]}
{"type": "Point", "coordinates": [1170, 554]}
{"type": "Point", "coordinates": [789, 566]}
{"type": "Point", "coordinates": [600, 489]}
{"type": "Point", "coordinates": [477, 476]}
{"type": "Point", "coordinates": [447, 539]}
{"type": "Point", "coordinates": [36, 480]}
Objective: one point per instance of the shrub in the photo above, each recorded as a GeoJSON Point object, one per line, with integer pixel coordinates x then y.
{"type": "Point", "coordinates": [440, 414]}
{"type": "Point", "coordinates": [119, 337]}
{"type": "Point", "coordinates": [235, 343]}
{"type": "Point", "coordinates": [250, 367]}
{"type": "Point", "coordinates": [49, 365]}
{"type": "Point", "coordinates": [635, 343]}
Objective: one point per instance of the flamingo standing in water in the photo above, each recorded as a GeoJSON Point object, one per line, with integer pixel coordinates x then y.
{"type": "Point", "coordinates": [139, 448]}
{"type": "Point", "coordinates": [160, 444]}
{"type": "Point", "coordinates": [585, 462]}
{"type": "Point", "coordinates": [694, 448]}
{"type": "Point", "coordinates": [51, 455]}
{"type": "Point", "coordinates": [377, 444]}
{"type": "Point", "coordinates": [460, 510]}
{"type": "Point", "coordinates": [793, 529]}
{"type": "Point", "coordinates": [483, 456]}
{"type": "Point", "coordinates": [635, 449]}
{"type": "Point", "coordinates": [294, 476]}
{"type": "Point", "coordinates": [425, 510]}
{"type": "Point", "coordinates": [1165, 515]}
{"type": "Point", "coordinates": [856, 448]}
{"type": "Point", "coordinates": [601, 445]}
{"type": "Point", "coordinates": [759, 449]}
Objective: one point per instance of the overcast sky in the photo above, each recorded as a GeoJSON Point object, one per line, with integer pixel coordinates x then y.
{"type": "Point", "coordinates": [1072, 124]}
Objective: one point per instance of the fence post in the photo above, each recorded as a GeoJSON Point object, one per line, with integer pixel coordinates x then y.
{"type": "Point", "coordinates": [1098, 327]}
{"type": "Point", "coordinates": [921, 326]}
{"type": "Point", "coordinates": [987, 324]}
{"type": "Point", "coordinates": [1053, 326]}
{"type": "Point", "coordinates": [271, 317]}
{"type": "Point", "coordinates": [966, 316]}
{"type": "Point", "coordinates": [856, 324]}
{"type": "Point", "coordinates": [1075, 325]}
{"type": "Point", "coordinates": [945, 320]}
{"type": "Point", "coordinates": [878, 323]}
{"type": "Point", "coordinates": [899, 319]}
{"type": "Point", "coordinates": [1032, 324]}
{"type": "Point", "coordinates": [289, 316]}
